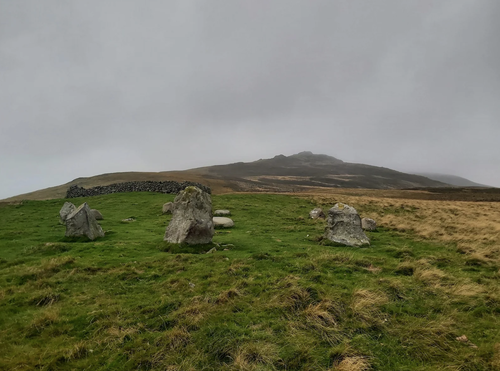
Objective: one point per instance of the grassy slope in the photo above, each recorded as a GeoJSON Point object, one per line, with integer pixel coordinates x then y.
{"type": "Point", "coordinates": [276, 300]}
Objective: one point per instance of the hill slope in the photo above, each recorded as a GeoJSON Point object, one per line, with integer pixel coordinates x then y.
{"type": "Point", "coordinates": [452, 180]}
{"type": "Point", "coordinates": [294, 173]}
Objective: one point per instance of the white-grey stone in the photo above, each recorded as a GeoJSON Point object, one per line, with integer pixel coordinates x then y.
{"type": "Point", "coordinates": [317, 213]}
{"type": "Point", "coordinates": [67, 209]}
{"type": "Point", "coordinates": [191, 218]}
{"type": "Point", "coordinates": [212, 250]}
{"type": "Point", "coordinates": [368, 224]}
{"type": "Point", "coordinates": [97, 214]}
{"type": "Point", "coordinates": [222, 213]}
{"type": "Point", "coordinates": [221, 221]}
{"type": "Point", "coordinates": [344, 226]}
{"type": "Point", "coordinates": [167, 208]}
{"type": "Point", "coordinates": [81, 222]}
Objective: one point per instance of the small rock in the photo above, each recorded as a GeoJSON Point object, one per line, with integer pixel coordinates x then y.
{"type": "Point", "coordinates": [220, 221]}
{"type": "Point", "coordinates": [222, 213]}
{"type": "Point", "coordinates": [317, 213]}
{"type": "Point", "coordinates": [128, 220]}
{"type": "Point", "coordinates": [212, 250]}
{"type": "Point", "coordinates": [97, 214]}
{"type": "Point", "coordinates": [368, 224]}
{"type": "Point", "coordinates": [167, 208]}
{"type": "Point", "coordinates": [191, 284]}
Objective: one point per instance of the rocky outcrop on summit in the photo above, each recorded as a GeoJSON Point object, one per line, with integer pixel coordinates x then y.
{"type": "Point", "coordinates": [146, 186]}
{"type": "Point", "coordinates": [191, 218]}
{"type": "Point", "coordinates": [344, 226]}
{"type": "Point", "coordinates": [81, 223]}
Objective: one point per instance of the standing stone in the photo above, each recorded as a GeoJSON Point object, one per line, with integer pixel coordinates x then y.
{"type": "Point", "coordinates": [221, 221]}
{"type": "Point", "coordinates": [317, 213]}
{"type": "Point", "coordinates": [67, 209]}
{"type": "Point", "coordinates": [368, 224]}
{"type": "Point", "coordinates": [97, 214]}
{"type": "Point", "coordinates": [81, 222]}
{"type": "Point", "coordinates": [344, 226]}
{"type": "Point", "coordinates": [191, 218]}
{"type": "Point", "coordinates": [167, 208]}
{"type": "Point", "coordinates": [222, 213]}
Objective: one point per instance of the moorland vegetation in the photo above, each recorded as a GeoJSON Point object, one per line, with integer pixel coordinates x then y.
{"type": "Point", "coordinates": [275, 295]}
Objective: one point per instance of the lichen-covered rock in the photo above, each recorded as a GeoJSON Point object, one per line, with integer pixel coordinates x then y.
{"type": "Point", "coordinates": [97, 214]}
{"type": "Point", "coordinates": [167, 208]}
{"type": "Point", "coordinates": [222, 213]}
{"type": "Point", "coordinates": [317, 213]}
{"type": "Point", "coordinates": [191, 218]}
{"type": "Point", "coordinates": [67, 209]}
{"type": "Point", "coordinates": [81, 223]}
{"type": "Point", "coordinates": [223, 222]}
{"type": "Point", "coordinates": [344, 226]}
{"type": "Point", "coordinates": [368, 224]}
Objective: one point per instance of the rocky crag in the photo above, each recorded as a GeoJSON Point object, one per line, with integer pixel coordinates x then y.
{"type": "Point", "coordinates": [145, 186]}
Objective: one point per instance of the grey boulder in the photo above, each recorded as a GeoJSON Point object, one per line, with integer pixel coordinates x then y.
{"type": "Point", "coordinates": [223, 222]}
{"type": "Point", "coordinates": [97, 214]}
{"type": "Point", "coordinates": [317, 213]}
{"type": "Point", "coordinates": [67, 209]}
{"type": "Point", "coordinates": [368, 224]}
{"type": "Point", "coordinates": [191, 218]}
{"type": "Point", "coordinates": [81, 223]}
{"type": "Point", "coordinates": [222, 213]}
{"type": "Point", "coordinates": [344, 226]}
{"type": "Point", "coordinates": [167, 208]}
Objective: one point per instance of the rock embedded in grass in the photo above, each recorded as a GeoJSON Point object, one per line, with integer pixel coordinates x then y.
{"type": "Point", "coordinates": [344, 226]}
{"type": "Point", "coordinates": [167, 208]}
{"type": "Point", "coordinates": [81, 223]}
{"type": "Point", "coordinates": [368, 224]}
{"type": "Point", "coordinates": [222, 213]}
{"type": "Point", "coordinates": [317, 213]}
{"type": "Point", "coordinates": [191, 218]}
{"type": "Point", "coordinates": [97, 214]}
{"type": "Point", "coordinates": [67, 209]}
{"type": "Point", "coordinates": [222, 222]}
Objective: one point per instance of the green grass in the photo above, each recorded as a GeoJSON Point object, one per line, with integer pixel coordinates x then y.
{"type": "Point", "coordinates": [277, 299]}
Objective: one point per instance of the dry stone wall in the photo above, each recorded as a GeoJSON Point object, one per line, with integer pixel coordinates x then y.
{"type": "Point", "coordinates": [169, 186]}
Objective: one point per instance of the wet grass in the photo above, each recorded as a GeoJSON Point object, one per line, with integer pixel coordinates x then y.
{"type": "Point", "coordinates": [271, 298]}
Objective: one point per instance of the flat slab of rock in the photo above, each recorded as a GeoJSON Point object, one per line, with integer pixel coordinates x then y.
{"type": "Point", "coordinates": [344, 226]}
{"type": "Point", "coordinates": [191, 218]}
{"type": "Point", "coordinates": [317, 213]}
{"type": "Point", "coordinates": [81, 223]}
{"type": "Point", "coordinates": [222, 213]}
{"type": "Point", "coordinates": [167, 208]}
{"type": "Point", "coordinates": [67, 209]}
{"type": "Point", "coordinates": [368, 224]}
{"type": "Point", "coordinates": [97, 214]}
{"type": "Point", "coordinates": [223, 222]}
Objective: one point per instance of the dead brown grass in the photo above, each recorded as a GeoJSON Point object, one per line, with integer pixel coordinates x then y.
{"type": "Point", "coordinates": [473, 226]}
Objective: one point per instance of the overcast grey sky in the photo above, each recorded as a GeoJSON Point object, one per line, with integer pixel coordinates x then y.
{"type": "Point", "coordinates": [97, 86]}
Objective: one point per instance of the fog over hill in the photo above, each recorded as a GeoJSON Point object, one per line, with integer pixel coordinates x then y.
{"type": "Point", "coordinates": [452, 180]}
